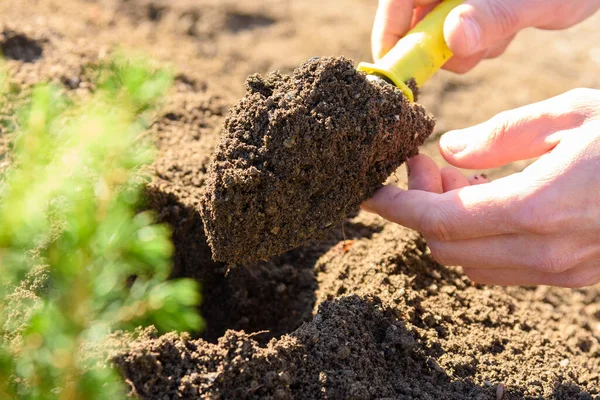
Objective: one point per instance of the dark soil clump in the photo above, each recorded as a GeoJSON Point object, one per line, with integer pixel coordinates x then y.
{"type": "Point", "coordinates": [299, 153]}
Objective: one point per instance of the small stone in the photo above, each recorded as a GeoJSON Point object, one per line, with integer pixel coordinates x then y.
{"type": "Point", "coordinates": [270, 379]}
{"type": "Point", "coordinates": [285, 378]}
{"type": "Point", "coordinates": [281, 288]}
{"type": "Point", "coordinates": [500, 391]}
{"type": "Point", "coordinates": [434, 273]}
{"type": "Point", "coordinates": [279, 394]}
{"type": "Point", "coordinates": [564, 362]}
{"type": "Point", "coordinates": [343, 352]}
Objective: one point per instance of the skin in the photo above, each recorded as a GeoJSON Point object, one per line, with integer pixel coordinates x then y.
{"type": "Point", "coordinates": [537, 227]}
{"type": "Point", "coordinates": [477, 29]}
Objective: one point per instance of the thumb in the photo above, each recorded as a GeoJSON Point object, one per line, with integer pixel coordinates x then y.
{"type": "Point", "coordinates": [477, 25]}
{"type": "Point", "coordinates": [519, 134]}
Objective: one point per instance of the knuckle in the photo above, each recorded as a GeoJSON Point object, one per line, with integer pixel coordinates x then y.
{"type": "Point", "coordinates": [499, 126]}
{"type": "Point", "coordinates": [554, 262]}
{"type": "Point", "coordinates": [584, 104]}
{"type": "Point", "coordinates": [436, 225]}
{"type": "Point", "coordinates": [505, 16]}
{"type": "Point", "coordinates": [532, 217]}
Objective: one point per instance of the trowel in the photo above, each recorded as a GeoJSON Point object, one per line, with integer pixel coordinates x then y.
{"type": "Point", "coordinates": [418, 55]}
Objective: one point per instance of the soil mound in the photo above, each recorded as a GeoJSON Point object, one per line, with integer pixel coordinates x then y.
{"type": "Point", "coordinates": [390, 323]}
{"type": "Point", "coordinates": [353, 349]}
{"type": "Point", "coordinates": [299, 153]}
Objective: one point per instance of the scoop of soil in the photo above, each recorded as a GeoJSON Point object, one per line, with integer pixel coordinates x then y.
{"type": "Point", "coordinates": [299, 153]}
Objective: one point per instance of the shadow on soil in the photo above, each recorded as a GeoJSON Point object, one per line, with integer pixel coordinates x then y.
{"type": "Point", "coordinates": [354, 348]}
{"type": "Point", "coordinates": [272, 297]}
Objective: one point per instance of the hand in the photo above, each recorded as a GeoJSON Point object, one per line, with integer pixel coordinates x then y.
{"type": "Point", "coordinates": [477, 29]}
{"type": "Point", "coordinates": [537, 227]}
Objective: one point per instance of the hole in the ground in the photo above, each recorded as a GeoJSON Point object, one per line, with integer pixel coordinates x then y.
{"type": "Point", "coordinates": [237, 22]}
{"type": "Point", "coordinates": [275, 296]}
{"type": "Point", "coordinates": [16, 46]}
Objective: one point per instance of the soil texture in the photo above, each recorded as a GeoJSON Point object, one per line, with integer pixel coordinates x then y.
{"type": "Point", "coordinates": [391, 323]}
{"type": "Point", "coordinates": [299, 153]}
{"type": "Point", "coordinates": [365, 312]}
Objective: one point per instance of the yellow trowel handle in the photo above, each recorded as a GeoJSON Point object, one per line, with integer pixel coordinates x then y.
{"type": "Point", "coordinates": [419, 54]}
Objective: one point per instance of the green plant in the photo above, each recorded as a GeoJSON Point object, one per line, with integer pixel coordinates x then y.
{"type": "Point", "coordinates": [68, 203]}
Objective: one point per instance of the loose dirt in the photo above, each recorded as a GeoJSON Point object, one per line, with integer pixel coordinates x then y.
{"type": "Point", "coordinates": [299, 153]}
{"type": "Point", "coordinates": [391, 323]}
{"type": "Point", "coordinates": [363, 313]}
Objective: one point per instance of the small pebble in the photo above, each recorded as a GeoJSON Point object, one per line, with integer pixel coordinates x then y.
{"type": "Point", "coordinates": [285, 378]}
{"type": "Point", "coordinates": [343, 352]}
{"type": "Point", "coordinates": [281, 288]}
{"type": "Point", "coordinates": [279, 394]}
{"type": "Point", "coordinates": [500, 391]}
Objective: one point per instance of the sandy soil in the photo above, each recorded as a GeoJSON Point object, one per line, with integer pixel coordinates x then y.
{"type": "Point", "coordinates": [364, 313]}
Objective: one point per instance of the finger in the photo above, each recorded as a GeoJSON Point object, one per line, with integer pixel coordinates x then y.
{"type": "Point", "coordinates": [520, 134]}
{"type": "Point", "coordinates": [478, 25]}
{"type": "Point", "coordinates": [424, 174]}
{"type": "Point", "coordinates": [499, 49]}
{"type": "Point", "coordinates": [422, 10]}
{"type": "Point", "coordinates": [586, 274]}
{"type": "Point", "coordinates": [470, 212]}
{"type": "Point", "coordinates": [462, 65]}
{"type": "Point", "coordinates": [393, 19]}
{"type": "Point", "coordinates": [549, 254]}
{"type": "Point", "coordinates": [478, 179]}
{"type": "Point", "coordinates": [452, 179]}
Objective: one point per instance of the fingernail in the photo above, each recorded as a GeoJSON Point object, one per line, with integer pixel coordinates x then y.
{"type": "Point", "coordinates": [471, 33]}
{"type": "Point", "coordinates": [453, 143]}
